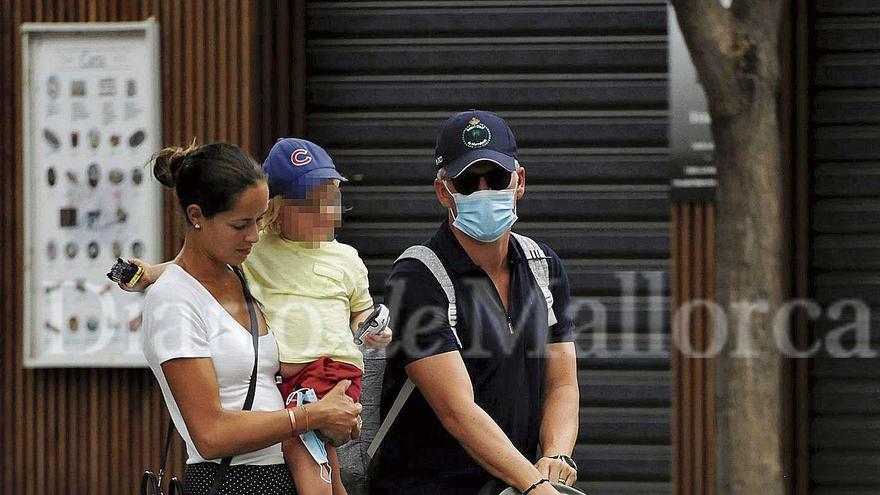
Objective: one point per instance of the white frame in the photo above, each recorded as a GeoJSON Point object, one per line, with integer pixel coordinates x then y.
{"type": "Point", "coordinates": [28, 31]}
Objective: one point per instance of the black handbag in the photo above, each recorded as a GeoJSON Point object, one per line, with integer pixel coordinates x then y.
{"type": "Point", "coordinates": [151, 483]}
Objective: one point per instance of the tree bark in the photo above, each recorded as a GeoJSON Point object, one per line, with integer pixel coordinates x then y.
{"type": "Point", "coordinates": [736, 56]}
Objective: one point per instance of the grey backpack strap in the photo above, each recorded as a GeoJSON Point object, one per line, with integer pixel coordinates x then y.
{"type": "Point", "coordinates": [432, 262]}
{"type": "Point", "coordinates": [401, 399]}
{"type": "Point", "coordinates": [428, 258]}
{"type": "Point", "coordinates": [540, 270]}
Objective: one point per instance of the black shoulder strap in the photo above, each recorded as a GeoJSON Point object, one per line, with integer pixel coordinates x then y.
{"type": "Point", "coordinates": [252, 386]}
{"type": "Point", "coordinates": [255, 336]}
{"type": "Point", "coordinates": [164, 461]}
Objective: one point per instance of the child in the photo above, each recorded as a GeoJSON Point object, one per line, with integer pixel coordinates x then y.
{"type": "Point", "coordinates": [313, 289]}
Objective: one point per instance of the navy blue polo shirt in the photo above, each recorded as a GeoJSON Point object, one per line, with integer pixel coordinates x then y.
{"type": "Point", "coordinates": [502, 351]}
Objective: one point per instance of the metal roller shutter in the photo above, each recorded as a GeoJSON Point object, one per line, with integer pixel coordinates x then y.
{"type": "Point", "coordinates": [845, 425]}
{"type": "Point", "coordinates": [584, 86]}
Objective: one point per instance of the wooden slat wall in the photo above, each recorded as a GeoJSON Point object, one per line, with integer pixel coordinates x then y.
{"type": "Point", "coordinates": [693, 398]}
{"type": "Point", "coordinates": [94, 430]}
{"type": "Point", "coordinates": [794, 116]}
{"type": "Point", "coordinates": [281, 100]}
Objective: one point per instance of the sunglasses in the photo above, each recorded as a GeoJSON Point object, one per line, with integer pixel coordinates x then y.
{"type": "Point", "coordinates": [468, 183]}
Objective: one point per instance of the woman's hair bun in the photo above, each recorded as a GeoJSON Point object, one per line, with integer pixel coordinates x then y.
{"type": "Point", "coordinates": [210, 176]}
{"type": "Point", "coordinates": [168, 162]}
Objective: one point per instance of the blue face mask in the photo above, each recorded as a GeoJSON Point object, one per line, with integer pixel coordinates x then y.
{"type": "Point", "coordinates": [485, 215]}
{"type": "Point", "coordinates": [311, 441]}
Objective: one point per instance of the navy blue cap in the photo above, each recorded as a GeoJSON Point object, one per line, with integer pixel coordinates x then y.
{"type": "Point", "coordinates": [473, 136]}
{"type": "Point", "coordinates": [294, 166]}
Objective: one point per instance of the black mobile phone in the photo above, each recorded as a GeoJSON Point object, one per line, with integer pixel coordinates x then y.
{"type": "Point", "coordinates": [125, 273]}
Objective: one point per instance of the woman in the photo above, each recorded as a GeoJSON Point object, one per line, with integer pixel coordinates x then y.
{"type": "Point", "coordinates": [197, 333]}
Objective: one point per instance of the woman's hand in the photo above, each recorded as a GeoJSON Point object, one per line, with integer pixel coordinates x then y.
{"type": "Point", "coordinates": [336, 416]}
{"type": "Point", "coordinates": [378, 341]}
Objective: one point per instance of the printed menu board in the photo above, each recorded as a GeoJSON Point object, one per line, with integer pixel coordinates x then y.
{"type": "Point", "coordinates": [91, 121]}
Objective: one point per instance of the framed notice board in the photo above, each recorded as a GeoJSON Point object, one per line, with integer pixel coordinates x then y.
{"type": "Point", "coordinates": [91, 118]}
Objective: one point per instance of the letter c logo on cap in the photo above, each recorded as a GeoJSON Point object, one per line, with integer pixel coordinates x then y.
{"type": "Point", "coordinates": [300, 157]}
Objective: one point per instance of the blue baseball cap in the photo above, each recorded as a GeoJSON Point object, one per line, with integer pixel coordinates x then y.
{"type": "Point", "coordinates": [294, 166]}
{"type": "Point", "coordinates": [473, 136]}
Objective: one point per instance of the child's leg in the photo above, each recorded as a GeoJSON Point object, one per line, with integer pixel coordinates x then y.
{"type": "Point", "coordinates": [338, 488]}
{"type": "Point", "coordinates": [306, 472]}
{"type": "Point", "coordinates": [321, 376]}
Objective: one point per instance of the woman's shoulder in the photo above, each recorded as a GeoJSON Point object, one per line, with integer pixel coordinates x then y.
{"type": "Point", "coordinates": [176, 302]}
{"type": "Point", "coordinates": [174, 285]}
{"type": "Point", "coordinates": [177, 322]}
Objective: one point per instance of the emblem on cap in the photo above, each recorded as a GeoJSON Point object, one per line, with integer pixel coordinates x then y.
{"type": "Point", "coordinates": [300, 157]}
{"type": "Point", "coordinates": [476, 134]}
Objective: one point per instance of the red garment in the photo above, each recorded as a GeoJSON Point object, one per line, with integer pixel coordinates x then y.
{"type": "Point", "coordinates": [322, 375]}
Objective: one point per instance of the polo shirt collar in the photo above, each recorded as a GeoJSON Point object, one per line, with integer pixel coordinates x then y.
{"type": "Point", "coordinates": [457, 258]}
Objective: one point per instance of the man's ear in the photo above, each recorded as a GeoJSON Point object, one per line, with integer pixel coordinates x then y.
{"type": "Point", "coordinates": [443, 196]}
{"type": "Point", "coordinates": [521, 182]}
{"type": "Point", "coordinates": [194, 215]}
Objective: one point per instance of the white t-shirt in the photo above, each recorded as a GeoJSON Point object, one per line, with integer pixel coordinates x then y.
{"type": "Point", "coordinates": [183, 320]}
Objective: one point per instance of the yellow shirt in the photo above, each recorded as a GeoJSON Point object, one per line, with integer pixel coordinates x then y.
{"type": "Point", "coordinates": [308, 292]}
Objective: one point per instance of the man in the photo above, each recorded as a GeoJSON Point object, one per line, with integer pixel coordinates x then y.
{"type": "Point", "coordinates": [499, 382]}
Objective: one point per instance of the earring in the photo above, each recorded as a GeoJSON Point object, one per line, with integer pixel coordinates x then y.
{"type": "Point", "coordinates": [198, 226]}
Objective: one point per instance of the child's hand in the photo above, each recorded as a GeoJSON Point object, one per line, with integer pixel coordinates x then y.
{"type": "Point", "coordinates": [378, 341]}
{"type": "Point", "coordinates": [151, 273]}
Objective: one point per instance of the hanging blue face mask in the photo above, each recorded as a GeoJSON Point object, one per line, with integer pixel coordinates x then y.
{"type": "Point", "coordinates": [485, 215]}
{"type": "Point", "coordinates": [310, 439]}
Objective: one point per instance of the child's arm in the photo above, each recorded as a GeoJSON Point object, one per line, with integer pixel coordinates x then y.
{"type": "Point", "coordinates": [359, 297]}
{"type": "Point", "coordinates": [378, 341]}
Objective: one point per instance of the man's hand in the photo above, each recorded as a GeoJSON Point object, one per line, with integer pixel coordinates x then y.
{"type": "Point", "coordinates": [556, 470]}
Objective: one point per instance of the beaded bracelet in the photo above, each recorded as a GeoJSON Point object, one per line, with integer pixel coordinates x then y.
{"type": "Point", "coordinates": [529, 489]}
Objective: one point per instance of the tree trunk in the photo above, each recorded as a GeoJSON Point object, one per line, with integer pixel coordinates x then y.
{"type": "Point", "coordinates": [749, 250]}
{"type": "Point", "coordinates": [735, 53]}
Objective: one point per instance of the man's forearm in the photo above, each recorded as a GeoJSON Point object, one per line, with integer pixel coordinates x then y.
{"type": "Point", "coordinates": [484, 440]}
{"type": "Point", "coordinates": [559, 424]}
